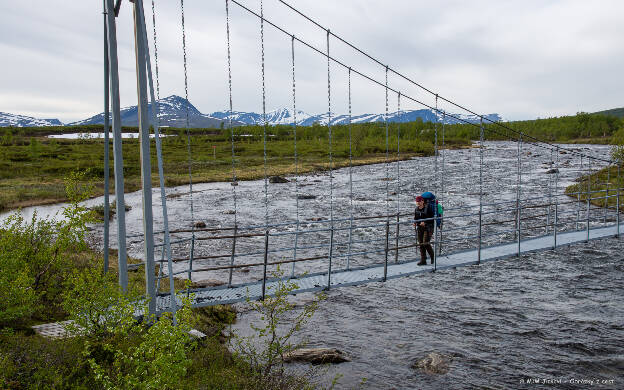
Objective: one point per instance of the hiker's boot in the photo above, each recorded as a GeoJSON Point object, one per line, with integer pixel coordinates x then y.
{"type": "Point", "coordinates": [422, 261]}
{"type": "Point", "coordinates": [432, 260]}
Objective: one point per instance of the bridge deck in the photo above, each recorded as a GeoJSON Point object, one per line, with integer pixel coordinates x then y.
{"type": "Point", "coordinates": [355, 276]}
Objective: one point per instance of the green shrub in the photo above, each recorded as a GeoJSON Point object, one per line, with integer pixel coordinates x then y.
{"type": "Point", "coordinates": [150, 355]}
{"type": "Point", "coordinates": [95, 302]}
{"type": "Point", "coordinates": [275, 341]}
{"type": "Point", "coordinates": [617, 150]}
{"type": "Point", "coordinates": [33, 254]}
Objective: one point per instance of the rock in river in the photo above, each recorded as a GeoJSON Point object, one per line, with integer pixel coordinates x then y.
{"type": "Point", "coordinates": [433, 363]}
{"type": "Point", "coordinates": [278, 179]}
{"type": "Point", "coordinates": [316, 356]}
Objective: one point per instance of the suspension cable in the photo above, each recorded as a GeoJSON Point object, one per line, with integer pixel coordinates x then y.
{"type": "Point", "coordinates": [387, 178]}
{"type": "Point", "coordinates": [188, 131]}
{"type": "Point", "coordinates": [264, 120]}
{"type": "Point", "coordinates": [234, 182]}
{"type": "Point", "coordinates": [426, 89]}
{"type": "Point", "coordinates": [294, 99]}
{"type": "Point", "coordinates": [398, 154]}
{"type": "Point", "coordinates": [519, 134]}
{"type": "Point", "coordinates": [329, 129]}
{"type": "Point", "coordinates": [350, 173]}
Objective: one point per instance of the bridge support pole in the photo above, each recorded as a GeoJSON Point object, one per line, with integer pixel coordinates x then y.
{"type": "Point", "coordinates": [386, 250]}
{"type": "Point", "coordinates": [396, 242]}
{"type": "Point", "coordinates": [191, 256]}
{"type": "Point", "coordinates": [117, 148]}
{"type": "Point", "coordinates": [441, 196]}
{"type": "Point", "coordinates": [556, 202]}
{"type": "Point", "coordinates": [578, 198]}
{"type": "Point", "coordinates": [589, 196]}
{"type": "Point", "coordinates": [606, 203]}
{"type": "Point", "coordinates": [480, 191]}
{"type": "Point", "coordinates": [518, 217]}
{"type": "Point", "coordinates": [106, 143]}
{"type": "Point", "coordinates": [146, 171]}
{"type": "Point", "coordinates": [331, 253]}
{"type": "Point", "coordinates": [161, 175]}
{"type": "Point", "coordinates": [550, 191]}
{"type": "Point", "coordinates": [266, 260]}
{"type": "Point", "coordinates": [617, 202]}
{"type": "Point", "coordinates": [234, 254]}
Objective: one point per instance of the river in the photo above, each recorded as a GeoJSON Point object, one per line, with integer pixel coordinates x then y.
{"type": "Point", "coordinates": [553, 316]}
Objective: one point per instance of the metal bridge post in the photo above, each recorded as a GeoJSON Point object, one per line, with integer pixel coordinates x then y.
{"type": "Point", "coordinates": [606, 206]}
{"type": "Point", "coordinates": [588, 196]}
{"type": "Point", "coordinates": [350, 238]}
{"type": "Point", "coordinates": [233, 255]}
{"type": "Point", "coordinates": [550, 185]}
{"type": "Point", "coordinates": [146, 171]}
{"type": "Point", "coordinates": [106, 143]}
{"type": "Point", "coordinates": [161, 175]}
{"type": "Point", "coordinates": [617, 202]}
{"type": "Point", "coordinates": [556, 202]}
{"type": "Point", "coordinates": [578, 199]}
{"type": "Point", "coordinates": [386, 250]}
{"type": "Point", "coordinates": [480, 191]}
{"type": "Point", "coordinates": [292, 272]}
{"type": "Point", "coordinates": [266, 260]}
{"type": "Point", "coordinates": [331, 253]}
{"type": "Point", "coordinates": [435, 260]}
{"type": "Point", "coordinates": [191, 255]}
{"type": "Point", "coordinates": [518, 216]}
{"type": "Point", "coordinates": [117, 148]}
{"type": "Point", "coordinates": [398, 232]}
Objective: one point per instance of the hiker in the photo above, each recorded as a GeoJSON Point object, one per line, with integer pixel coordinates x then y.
{"type": "Point", "coordinates": [423, 223]}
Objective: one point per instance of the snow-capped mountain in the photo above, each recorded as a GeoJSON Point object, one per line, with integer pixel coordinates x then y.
{"type": "Point", "coordinates": [15, 120]}
{"type": "Point", "coordinates": [282, 116]}
{"type": "Point", "coordinates": [171, 112]}
{"type": "Point", "coordinates": [285, 116]}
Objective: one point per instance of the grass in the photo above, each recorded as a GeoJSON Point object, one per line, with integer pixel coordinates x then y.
{"type": "Point", "coordinates": [28, 360]}
{"type": "Point", "coordinates": [605, 182]}
{"type": "Point", "coordinates": [33, 167]}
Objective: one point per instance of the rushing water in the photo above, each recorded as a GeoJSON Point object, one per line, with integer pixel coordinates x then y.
{"type": "Point", "coordinates": [554, 316]}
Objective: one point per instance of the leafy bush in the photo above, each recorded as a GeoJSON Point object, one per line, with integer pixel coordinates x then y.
{"type": "Point", "coordinates": [617, 150]}
{"type": "Point", "coordinates": [33, 253]}
{"type": "Point", "coordinates": [152, 355]}
{"type": "Point", "coordinates": [95, 302]}
{"type": "Point", "coordinates": [266, 349]}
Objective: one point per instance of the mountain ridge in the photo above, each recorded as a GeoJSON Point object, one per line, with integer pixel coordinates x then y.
{"type": "Point", "coordinates": [173, 111]}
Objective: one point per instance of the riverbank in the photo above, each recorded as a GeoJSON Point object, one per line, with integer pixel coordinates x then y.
{"type": "Point", "coordinates": [122, 352]}
{"type": "Point", "coordinates": [602, 185]}
{"type": "Point", "coordinates": [33, 166]}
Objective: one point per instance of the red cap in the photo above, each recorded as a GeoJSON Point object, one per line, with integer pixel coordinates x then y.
{"type": "Point", "coordinates": [419, 198]}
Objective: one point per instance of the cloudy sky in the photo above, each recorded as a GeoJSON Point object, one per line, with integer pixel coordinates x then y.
{"type": "Point", "coordinates": [522, 59]}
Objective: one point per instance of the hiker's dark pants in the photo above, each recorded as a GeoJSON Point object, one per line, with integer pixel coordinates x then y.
{"type": "Point", "coordinates": [424, 239]}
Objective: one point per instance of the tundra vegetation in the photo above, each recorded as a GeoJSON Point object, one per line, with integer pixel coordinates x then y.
{"type": "Point", "coordinates": [32, 166]}
{"type": "Point", "coordinates": [49, 274]}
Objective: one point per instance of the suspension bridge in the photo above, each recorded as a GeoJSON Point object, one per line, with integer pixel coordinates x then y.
{"type": "Point", "coordinates": [502, 199]}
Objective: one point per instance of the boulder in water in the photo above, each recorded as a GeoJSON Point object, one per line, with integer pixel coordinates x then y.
{"type": "Point", "coordinates": [278, 179]}
{"type": "Point", "coordinates": [206, 283]}
{"type": "Point", "coordinates": [200, 225]}
{"type": "Point", "coordinates": [305, 196]}
{"type": "Point", "coordinates": [552, 170]}
{"type": "Point", "coordinates": [316, 356]}
{"type": "Point", "coordinates": [433, 363]}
